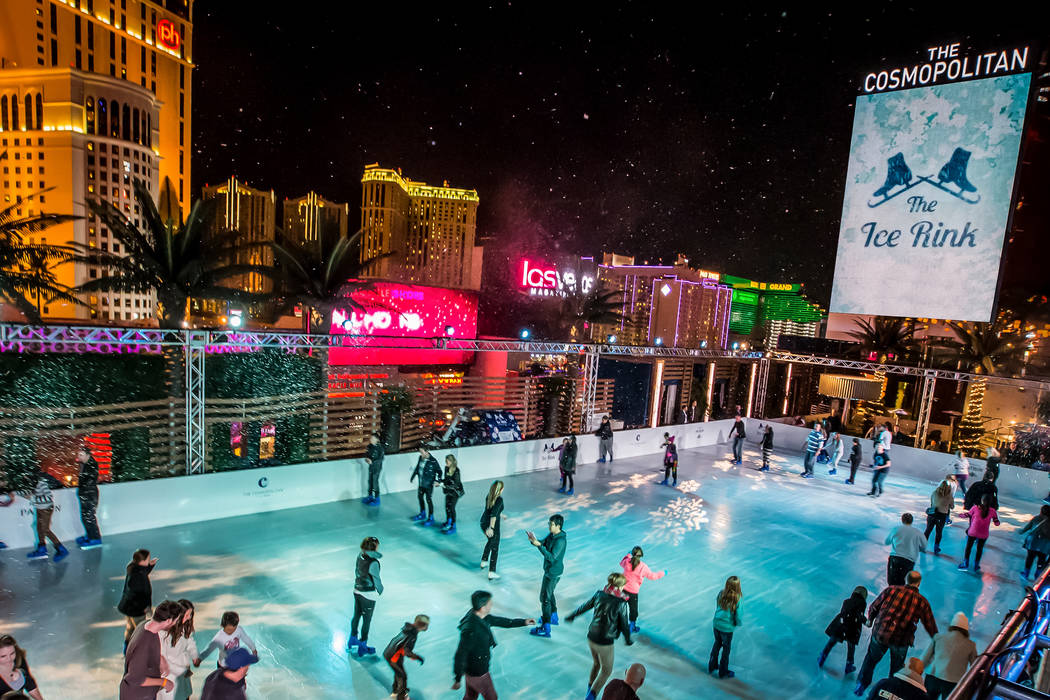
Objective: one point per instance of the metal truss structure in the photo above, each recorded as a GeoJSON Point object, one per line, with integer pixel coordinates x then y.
{"type": "Point", "coordinates": [922, 423]}
{"type": "Point", "coordinates": [762, 381]}
{"type": "Point", "coordinates": [196, 343]}
{"type": "Point", "coordinates": [590, 387]}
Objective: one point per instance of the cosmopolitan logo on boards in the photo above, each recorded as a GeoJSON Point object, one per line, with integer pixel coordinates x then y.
{"type": "Point", "coordinates": [542, 279]}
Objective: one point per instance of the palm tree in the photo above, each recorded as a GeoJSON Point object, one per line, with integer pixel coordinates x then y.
{"type": "Point", "coordinates": [982, 349]}
{"type": "Point", "coordinates": [25, 270]}
{"type": "Point", "coordinates": [884, 337]}
{"type": "Point", "coordinates": [580, 310]}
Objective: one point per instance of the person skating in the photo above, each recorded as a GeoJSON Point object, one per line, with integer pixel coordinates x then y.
{"type": "Point", "coordinates": [636, 571]}
{"type": "Point", "coordinates": [894, 615]}
{"type": "Point", "coordinates": [136, 599]}
{"type": "Point", "coordinates": [87, 495]}
{"type": "Point", "coordinates": [941, 502]}
{"type": "Point", "coordinates": [374, 454]}
{"type": "Point", "coordinates": [230, 637]}
{"type": "Point", "coordinates": [948, 656]}
{"type": "Point", "coordinates": [452, 485]}
{"type": "Point", "coordinates": [767, 447]}
{"type": "Point", "coordinates": [368, 586]}
{"type": "Point", "coordinates": [179, 650]}
{"type": "Point", "coordinates": [855, 456]}
{"type": "Point", "coordinates": [738, 433]}
{"type": "Point", "coordinates": [44, 506]}
{"type": "Point", "coordinates": [402, 647]}
{"type": "Point", "coordinates": [961, 469]}
{"type": "Point", "coordinates": [605, 440]}
{"type": "Point", "coordinates": [905, 544]}
{"type": "Point", "coordinates": [992, 462]}
{"type": "Point", "coordinates": [814, 441]}
{"type": "Point", "coordinates": [905, 684]}
{"type": "Point", "coordinates": [474, 651]}
{"type": "Point", "coordinates": [727, 619]}
{"type": "Point", "coordinates": [880, 470]}
{"type": "Point", "coordinates": [490, 524]}
{"type": "Point", "coordinates": [14, 670]}
{"type": "Point", "coordinates": [846, 627]}
{"type": "Point", "coordinates": [144, 667]}
{"type": "Point", "coordinates": [985, 487]}
{"type": "Point", "coordinates": [567, 464]}
{"type": "Point", "coordinates": [627, 687]}
{"type": "Point", "coordinates": [1037, 541]}
{"type": "Point", "coordinates": [670, 461]}
{"type": "Point", "coordinates": [608, 623]}
{"type": "Point", "coordinates": [228, 682]}
{"type": "Point", "coordinates": [429, 472]}
{"type": "Point", "coordinates": [552, 549]}
{"type": "Point", "coordinates": [835, 448]}
{"type": "Point", "coordinates": [981, 518]}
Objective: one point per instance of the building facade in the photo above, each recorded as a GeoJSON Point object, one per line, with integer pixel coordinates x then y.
{"type": "Point", "coordinates": [94, 94]}
{"type": "Point", "coordinates": [763, 311]}
{"type": "Point", "coordinates": [253, 214]}
{"type": "Point", "coordinates": [311, 218]}
{"type": "Point", "coordinates": [427, 232]}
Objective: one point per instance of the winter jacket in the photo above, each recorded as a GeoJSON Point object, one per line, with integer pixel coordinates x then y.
{"type": "Point", "coordinates": [476, 642]}
{"type": "Point", "coordinates": [610, 616]}
{"type": "Point", "coordinates": [670, 454]}
{"type": "Point", "coordinates": [567, 459]}
{"type": "Point", "coordinates": [767, 440]}
{"type": "Point", "coordinates": [634, 576]}
{"type": "Point", "coordinates": [738, 428]}
{"type": "Point", "coordinates": [949, 655]}
{"type": "Point", "coordinates": [40, 496]}
{"type": "Point", "coordinates": [402, 645]}
{"type": "Point", "coordinates": [428, 470]}
{"type": "Point", "coordinates": [452, 485]}
{"type": "Point", "coordinates": [552, 548]}
{"type": "Point", "coordinates": [376, 454]}
{"type": "Point", "coordinates": [87, 480]}
{"type": "Point", "coordinates": [900, 686]}
{"type": "Point", "coordinates": [975, 493]}
{"type": "Point", "coordinates": [1038, 539]}
{"type": "Point", "coordinates": [906, 541]}
{"type": "Point", "coordinates": [847, 625]}
{"type": "Point", "coordinates": [137, 596]}
{"type": "Point", "coordinates": [981, 524]}
{"type": "Point", "coordinates": [944, 503]}
{"type": "Point", "coordinates": [604, 430]}
{"type": "Point", "coordinates": [494, 512]}
{"type": "Point", "coordinates": [366, 572]}
{"type": "Point", "coordinates": [725, 620]}
{"type": "Point", "coordinates": [992, 465]}
{"type": "Point", "coordinates": [961, 466]}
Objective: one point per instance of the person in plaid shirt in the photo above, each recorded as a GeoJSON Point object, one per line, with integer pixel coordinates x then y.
{"type": "Point", "coordinates": [894, 616]}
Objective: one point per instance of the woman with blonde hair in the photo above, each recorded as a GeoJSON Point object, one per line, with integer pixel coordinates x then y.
{"type": "Point", "coordinates": [941, 502]}
{"type": "Point", "coordinates": [608, 623]}
{"type": "Point", "coordinates": [727, 618]}
{"type": "Point", "coordinates": [490, 520]}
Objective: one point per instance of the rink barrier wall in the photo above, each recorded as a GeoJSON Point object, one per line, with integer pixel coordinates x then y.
{"type": "Point", "coordinates": [1014, 482]}
{"type": "Point", "coordinates": [141, 505]}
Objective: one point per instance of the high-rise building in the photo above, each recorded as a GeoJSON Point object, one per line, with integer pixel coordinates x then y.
{"type": "Point", "coordinates": [763, 311]}
{"type": "Point", "coordinates": [94, 94]}
{"type": "Point", "coordinates": [252, 213]}
{"type": "Point", "coordinates": [310, 218]}
{"type": "Point", "coordinates": [427, 231]}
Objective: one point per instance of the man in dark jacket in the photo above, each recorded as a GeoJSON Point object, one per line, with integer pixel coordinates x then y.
{"type": "Point", "coordinates": [374, 454]}
{"type": "Point", "coordinates": [368, 586]}
{"type": "Point", "coordinates": [552, 548]}
{"type": "Point", "coordinates": [87, 494]}
{"type": "Point", "coordinates": [906, 684]}
{"type": "Point", "coordinates": [227, 682]}
{"type": "Point", "coordinates": [767, 447]}
{"type": "Point", "coordinates": [475, 646]}
{"type": "Point", "coordinates": [402, 647]}
{"type": "Point", "coordinates": [429, 472]}
{"type": "Point", "coordinates": [975, 493]}
{"type": "Point", "coordinates": [738, 434]}
{"type": "Point", "coordinates": [605, 440]}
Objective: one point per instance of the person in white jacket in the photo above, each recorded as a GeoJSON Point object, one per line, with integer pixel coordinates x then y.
{"type": "Point", "coordinates": [180, 651]}
{"type": "Point", "coordinates": [948, 656]}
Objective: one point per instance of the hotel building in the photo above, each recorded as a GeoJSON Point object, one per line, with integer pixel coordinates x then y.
{"type": "Point", "coordinates": [252, 213]}
{"type": "Point", "coordinates": [310, 218]}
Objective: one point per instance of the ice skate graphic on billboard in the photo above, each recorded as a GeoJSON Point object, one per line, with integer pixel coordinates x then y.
{"type": "Point", "coordinates": [928, 197]}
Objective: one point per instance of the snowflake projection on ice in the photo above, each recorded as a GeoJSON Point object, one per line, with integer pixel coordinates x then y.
{"type": "Point", "coordinates": [689, 486]}
{"type": "Point", "coordinates": [672, 521]}
{"type": "Point", "coordinates": [598, 519]}
{"type": "Point", "coordinates": [634, 481]}
{"type": "Point", "coordinates": [533, 521]}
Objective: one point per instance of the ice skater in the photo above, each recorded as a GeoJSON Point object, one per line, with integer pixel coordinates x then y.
{"type": "Point", "coordinates": [87, 495]}
{"type": "Point", "coordinates": [471, 662]}
{"type": "Point", "coordinates": [452, 485]}
{"type": "Point", "coordinates": [727, 619]}
{"type": "Point", "coordinates": [374, 454]}
{"type": "Point", "coordinates": [552, 549]}
{"type": "Point", "coordinates": [846, 627]}
{"type": "Point", "coordinates": [402, 647]}
{"type": "Point", "coordinates": [605, 440]}
{"type": "Point", "coordinates": [490, 522]}
{"type": "Point", "coordinates": [981, 519]}
{"type": "Point", "coordinates": [941, 502]}
{"type": "Point", "coordinates": [880, 470]}
{"type": "Point", "coordinates": [835, 448]}
{"type": "Point", "coordinates": [767, 447]}
{"type": "Point", "coordinates": [855, 455]}
{"type": "Point", "coordinates": [905, 684]}
{"type": "Point", "coordinates": [608, 623]}
{"type": "Point", "coordinates": [567, 464]}
{"type": "Point", "coordinates": [368, 586]}
{"type": "Point", "coordinates": [180, 652]}
{"type": "Point", "coordinates": [230, 637]}
{"type": "Point", "coordinates": [136, 600]}
{"type": "Point", "coordinates": [814, 441]}
{"type": "Point", "coordinates": [905, 544]}
{"type": "Point", "coordinates": [948, 656]}
{"type": "Point", "coordinates": [635, 571]}
{"type": "Point", "coordinates": [738, 433]}
{"type": "Point", "coordinates": [985, 487]}
{"type": "Point", "coordinates": [44, 506]}
{"type": "Point", "coordinates": [670, 461]}
{"type": "Point", "coordinates": [429, 472]}
{"type": "Point", "coordinates": [1037, 542]}
{"type": "Point", "coordinates": [16, 681]}
{"type": "Point", "coordinates": [143, 664]}
{"type": "Point", "coordinates": [227, 682]}
{"type": "Point", "coordinates": [961, 468]}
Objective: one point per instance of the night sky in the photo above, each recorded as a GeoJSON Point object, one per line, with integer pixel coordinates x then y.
{"type": "Point", "coordinates": [631, 128]}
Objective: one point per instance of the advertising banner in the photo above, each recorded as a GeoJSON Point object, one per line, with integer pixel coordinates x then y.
{"type": "Point", "coordinates": [929, 191]}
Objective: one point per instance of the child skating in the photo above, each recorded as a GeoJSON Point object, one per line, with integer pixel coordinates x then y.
{"type": "Point", "coordinates": [635, 571]}
{"type": "Point", "coordinates": [670, 461]}
{"type": "Point", "coordinates": [846, 627]}
{"type": "Point", "coordinates": [402, 647]}
{"type": "Point", "coordinates": [727, 618]}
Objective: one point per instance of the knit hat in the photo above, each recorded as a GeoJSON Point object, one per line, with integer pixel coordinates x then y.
{"type": "Point", "coordinates": [959, 620]}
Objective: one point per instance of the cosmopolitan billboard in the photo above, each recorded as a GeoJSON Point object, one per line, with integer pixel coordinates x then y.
{"type": "Point", "coordinates": [410, 316]}
{"type": "Point", "coordinates": [929, 187]}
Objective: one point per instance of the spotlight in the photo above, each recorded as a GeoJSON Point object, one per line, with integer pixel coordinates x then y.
{"type": "Point", "coordinates": [611, 339]}
{"type": "Point", "coordinates": [658, 342]}
{"type": "Point", "coordinates": [736, 345]}
{"type": "Point", "coordinates": [703, 343]}
{"type": "Point", "coordinates": [236, 319]}
{"type": "Point", "coordinates": [524, 334]}
{"type": "Point", "coordinates": [450, 331]}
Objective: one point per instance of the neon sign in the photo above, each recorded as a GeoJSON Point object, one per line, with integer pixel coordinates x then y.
{"type": "Point", "coordinates": [544, 280]}
{"type": "Point", "coordinates": [168, 35]}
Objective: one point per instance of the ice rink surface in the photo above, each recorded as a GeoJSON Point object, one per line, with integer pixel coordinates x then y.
{"type": "Point", "coordinates": [799, 547]}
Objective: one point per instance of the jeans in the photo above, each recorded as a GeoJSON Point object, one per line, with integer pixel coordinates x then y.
{"type": "Point", "coordinates": [980, 549]}
{"type": "Point", "coordinates": [738, 448]}
{"type": "Point", "coordinates": [836, 458]}
{"type": "Point", "coordinates": [936, 521]}
{"type": "Point", "coordinates": [450, 507]}
{"type": "Point", "coordinates": [400, 688]}
{"type": "Point", "coordinates": [373, 478]}
{"type": "Point", "coordinates": [854, 465]}
{"type": "Point", "coordinates": [671, 471]}
{"type": "Point", "coordinates": [937, 688]}
{"type": "Point", "coordinates": [807, 463]}
{"type": "Point", "coordinates": [632, 605]}
{"type": "Point", "coordinates": [601, 666]}
{"type": "Point", "coordinates": [897, 569]}
{"type": "Point", "coordinates": [723, 642]}
{"type": "Point", "coordinates": [877, 650]}
{"type": "Point", "coordinates": [567, 477]}
{"type": "Point", "coordinates": [961, 479]}
{"type": "Point", "coordinates": [605, 449]}
{"type": "Point", "coordinates": [851, 649]}
{"type": "Point", "coordinates": [479, 685]}
{"type": "Point", "coordinates": [548, 604]}
{"type": "Point", "coordinates": [426, 500]}
{"type": "Point", "coordinates": [491, 552]}
{"type": "Point", "coordinates": [88, 504]}
{"type": "Point", "coordinates": [363, 609]}
{"type": "Point", "coordinates": [876, 481]}
{"type": "Point", "coordinates": [43, 528]}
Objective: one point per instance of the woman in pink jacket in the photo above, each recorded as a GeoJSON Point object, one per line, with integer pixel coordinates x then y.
{"type": "Point", "coordinates": [635, 570]}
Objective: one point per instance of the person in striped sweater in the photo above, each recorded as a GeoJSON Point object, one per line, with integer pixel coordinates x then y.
{"type": "Point", "coordinates": [44, 504]}
{"type": "Point", "coordinates": [814, 441]}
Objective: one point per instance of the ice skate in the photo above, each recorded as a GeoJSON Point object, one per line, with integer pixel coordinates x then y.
{"type": "Point", "coordinates": [91, 544]}
{"type": "Point", "coordinates": [81, 541]}
{"type": "Point", "coordinates": [493, 576]}
{"type": "Point", "coordinates": [859, 690]}
{"type": "Point", "coordinates": [61, 553]}
{"type": "Point", "coordinates": [484, 564]}
{"type": "Point", "coordinates": [449, 530]}
{"type": "Point", "coordinates": [675, 483]}
{"type": "Point", "coordinates": [561, 490]}
{"type": "Point", "coordinates": [554, 618]}
{"type": "Point", "coordinates": [954, 171]}
{"type": "Point", "coordinates": [590, 695]}
{"type": "Point", "coordinates": [964, 566]}
{"type": "Point", "coordinates": [429, 521]}
{"type": "Point", "coordinates": [367, 501]}
{"type": "Point", "coordinates": [833, 471]}
{"type": "Point", "coordinates": [662, 483]}
{"type": "Point", "coordinates": [38, 553]}
{"type": "Point", "coordinates": [541, 630]}
{"type": "Point", "coordinates": [419, 516]}
{"type": "Point", "coordinates": [898, 175]}
{"type": "Point", "coordinates": [570, 492]}
{"type": "Point", "coordinates": [352, 642]}
{"type": "Point", "coordinates": [364, 650]}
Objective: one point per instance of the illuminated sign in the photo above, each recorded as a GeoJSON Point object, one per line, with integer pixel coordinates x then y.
{"type": "Point", "coordinates": [545, 280]}
{"type": "Point", "coordinates": [168, 35]}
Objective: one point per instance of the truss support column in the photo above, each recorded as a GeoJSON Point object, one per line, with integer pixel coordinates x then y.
{"type": "Point", "coordinates": [922, 426]}
{"type": "Point", "coordinates": [196, 342]}
{"type": "Point", "coordinates": [761, 383]}
{"type": "Point", "coordinates": [590, 389]}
